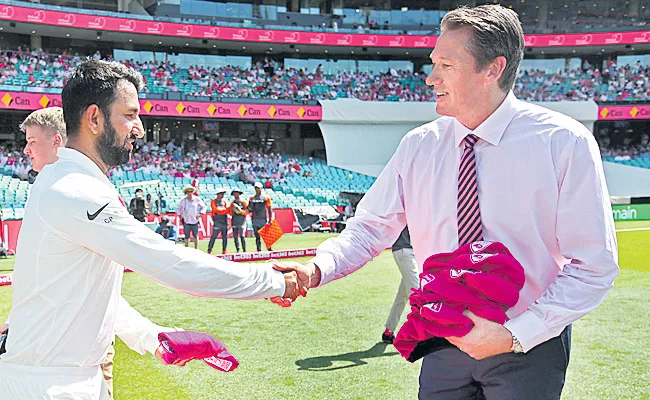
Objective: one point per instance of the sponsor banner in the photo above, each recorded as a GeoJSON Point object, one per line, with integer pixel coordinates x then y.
{"type": "Point", "coordinates": [87, 21]}
{"type": "Point", "coordinates": [9, 236]}
{"type": "Point", "coordinates": [268, 255]}
{"type": "Point", "coordinates": [631, 212]}
{"type": "Point", "coordinates": [167, 108]}
{"type": "Point", "coordinates": [610, 113]}
{"type": "Point", "coordinates": [5, 280]}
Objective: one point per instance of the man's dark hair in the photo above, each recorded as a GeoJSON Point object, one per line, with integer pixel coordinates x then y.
{"type": "Point", "coordinates": [94, 82]}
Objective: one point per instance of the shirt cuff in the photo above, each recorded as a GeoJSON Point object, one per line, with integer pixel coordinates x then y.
{"type": "Point", "coordinates": [325, 262]}
{"type": "Point", "coordinates": [151, 343]}
{"type": "Point", "coordinates": [279, 286]}
{"type": "Point", "coordinates": [528, 329]}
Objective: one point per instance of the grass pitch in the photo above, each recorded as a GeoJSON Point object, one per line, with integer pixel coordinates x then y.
{"type": "Point", "coordinates": [326, 346]}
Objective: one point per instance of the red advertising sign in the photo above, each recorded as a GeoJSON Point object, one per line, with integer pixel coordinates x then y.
{"type": "Point", "coordinates": [168, 108]}
{"type": "Point", "coordinates": [86, 21]}
{"type": "Point", "coordinates": [611, 113]}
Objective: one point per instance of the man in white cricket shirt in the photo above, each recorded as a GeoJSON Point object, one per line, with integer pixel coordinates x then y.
{"type": "Point", "coordinates": [75, 237]}
{"type": "Point", "coordinates": [45, 133]}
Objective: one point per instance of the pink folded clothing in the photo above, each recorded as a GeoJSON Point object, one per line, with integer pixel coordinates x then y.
{"type": "Point", "coordinates": [493, 287]}
{"type": "Point", "coordinates": [416, 329]}
{"type": "Point", "coordinates": [189, 345]}
{"type": "Point", "coordinates": [504, 265]}
{"type": "Point", "coordinates": [482, 277]}
{"type": "Point", "coordinates": [445, 314]}
{"type": "Point", "coordinates": [419, 298]}
{"type": "Point", "coordinates": [482, 247]}
{"type": "Point", "coordinates": [450, 288]}
{"type": "Point", "coordinates": [493, 312]}
{"type": "Point", "coordinates": [439, 261]}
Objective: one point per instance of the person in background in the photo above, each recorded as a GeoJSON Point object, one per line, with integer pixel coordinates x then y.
{"type": "Point", "coordinates": [220, 212]}
{"type": "Point", "coordinates": [148, 205]}
{"type": "Point", "coordinates": [408, 268]}
{"type": "Point", "coordinates": [167, 230]}
{"type": "Point", "coordinates": [137, 206]}
{"type": "Point", "coordinates": [238, 211]}
{"type": "Point", "coordinates": [190, 209]}
{"type": "Point", "coordinates": [259, 206]}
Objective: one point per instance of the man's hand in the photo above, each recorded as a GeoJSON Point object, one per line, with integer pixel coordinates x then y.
{"type": "Point", "coordinates": [308, 276]}
{"type": "Point", "coordinates": [486, 339]}
{"type": "Point", "coordinates": [292, 289]}
{"type": "Point", "coordinates": [4, 328]}
{"type": "Point", "coordinates": [159, 353]}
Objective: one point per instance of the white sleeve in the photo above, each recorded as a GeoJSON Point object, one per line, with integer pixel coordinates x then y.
{"type": "Point", "coordinates": [378, 222]}
{"type": "Point", "coordinates": [587, 236]}
{"type": "Point", "coordinates": [115, 234]}
{"type": "Point", "coordinates": [136, 331]}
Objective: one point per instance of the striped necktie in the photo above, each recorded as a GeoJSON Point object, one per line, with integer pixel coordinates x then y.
{"type": "Point", "coordinates": [469, 214]}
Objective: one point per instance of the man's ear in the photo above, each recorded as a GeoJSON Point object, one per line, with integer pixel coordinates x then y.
{"type": "Point", "coordinates": [495, 69]}
{"type": "Point", "coordinates": [93, 119]}
{"type": "Point", "coordinates": [58, 140]}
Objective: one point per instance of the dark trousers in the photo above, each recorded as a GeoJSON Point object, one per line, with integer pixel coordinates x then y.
{"type": "Point", "coordinates": [539, 374]}
{"type": "Point", "coordinates": [237, 233]}
{"type": "Point", "coordinates": [257, 224]}
{"type": "Point", "coordinates": [223, 229]}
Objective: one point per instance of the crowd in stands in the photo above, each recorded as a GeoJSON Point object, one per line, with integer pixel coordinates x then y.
{"type": "Point", "coordinates": [16, 163]}
{"type": "Point", "coordinates": [245, 165]}
{"type": "Point", "coordinates": [624, 149]}
{"type": "Point", "coordinates": [269, 80]}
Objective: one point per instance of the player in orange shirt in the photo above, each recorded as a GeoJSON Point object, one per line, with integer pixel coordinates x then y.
{"type": "Point", "coordinates": [220, 211]}
{"type": "Point", "coordinates": [238, 211]}
{"type": "Point", "coordinates": [260, 207]}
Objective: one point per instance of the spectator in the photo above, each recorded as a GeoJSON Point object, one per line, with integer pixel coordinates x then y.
{"type": "Point", "coordinates": [190, 209]}
{"type": "Point", "coordinates": [137, 206]}
{"type": "Point", "coordinates": [167, 230]}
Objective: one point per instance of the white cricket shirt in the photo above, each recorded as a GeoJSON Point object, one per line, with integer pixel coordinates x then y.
{"type": "Point", "coordinates": [75, 237]}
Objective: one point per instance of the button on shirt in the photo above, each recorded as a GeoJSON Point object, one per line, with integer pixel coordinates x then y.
{"type": "Point", "coordinates": [541, 191]}
{"type": "Point", "coordinates": [74, 241]}
{"type": "Point", "coordinates": [190, 209]}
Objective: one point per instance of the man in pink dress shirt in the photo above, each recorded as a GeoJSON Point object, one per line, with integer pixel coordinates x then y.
{"type": "Point", "coordinates": [539, 182]}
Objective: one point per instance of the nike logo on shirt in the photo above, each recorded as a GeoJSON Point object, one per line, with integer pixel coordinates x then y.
{"type": "Point", "coordinates": [93, 216]}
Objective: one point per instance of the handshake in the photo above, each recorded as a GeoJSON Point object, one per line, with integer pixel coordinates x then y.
{"type": "Point", "coordinates": [298, 279]}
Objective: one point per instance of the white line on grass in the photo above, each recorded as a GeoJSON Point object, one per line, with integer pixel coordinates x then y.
{"type": "Point", "coordinates": [632, 229]}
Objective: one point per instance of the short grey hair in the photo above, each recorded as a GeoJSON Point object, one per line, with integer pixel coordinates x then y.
{"type": "Point", "coordinates": [50, 119]}
{"type": "Point", "coordinates": [496, 31]}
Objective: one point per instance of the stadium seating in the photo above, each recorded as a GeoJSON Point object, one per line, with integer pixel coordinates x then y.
{"type": "Point", "coordinates": [48, 72]}
{"type": "Point", "coordinates": [635, 161]}
{"type": "Point", "coordinates": [321, 189]}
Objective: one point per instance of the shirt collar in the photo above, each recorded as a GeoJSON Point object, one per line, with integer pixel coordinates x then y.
{"type": "Point", "coordinates": [84, 163]}
{"type": "Point", "coordinates": [492, 129]}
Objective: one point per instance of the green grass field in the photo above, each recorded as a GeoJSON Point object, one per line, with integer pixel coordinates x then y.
{"type": "Point", "coordinates": [326, 346]}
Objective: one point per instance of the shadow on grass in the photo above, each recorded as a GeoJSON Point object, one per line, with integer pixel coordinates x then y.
{"type": "Point", "coordinates": [355, 359]}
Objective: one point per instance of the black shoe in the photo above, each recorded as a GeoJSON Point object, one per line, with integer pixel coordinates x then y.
{"type": "Point", "coordinates": [387, 338]}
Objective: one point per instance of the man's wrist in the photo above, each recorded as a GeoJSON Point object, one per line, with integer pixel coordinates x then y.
{"type": "Point", "coordinates": [315, 274]}
{"type": "Point", "coordinates": [515, 345]}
